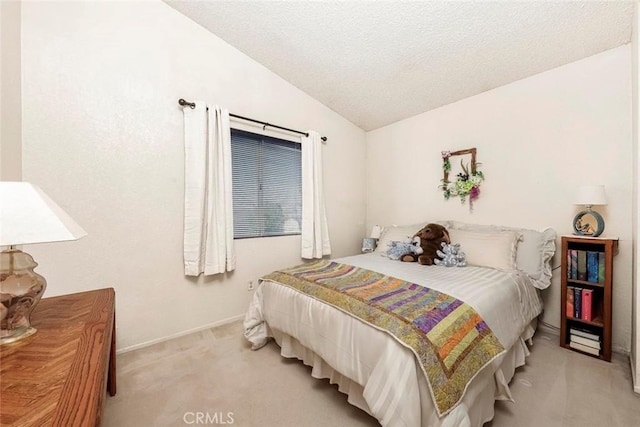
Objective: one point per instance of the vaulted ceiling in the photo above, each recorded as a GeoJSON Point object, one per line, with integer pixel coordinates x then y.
{"type": "Point", "coordinates": [379, 62]}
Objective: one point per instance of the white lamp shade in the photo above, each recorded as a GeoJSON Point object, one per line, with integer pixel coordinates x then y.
{"type": "Point", "coordinates": [591, 195]}
{"type": "Point", "coordinates": [376, 231]}
{"type": "Point", "coordinates": [27, 215]}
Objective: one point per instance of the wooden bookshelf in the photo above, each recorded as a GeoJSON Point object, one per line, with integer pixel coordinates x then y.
{"type": "Point", "coordinates": [600, 323]}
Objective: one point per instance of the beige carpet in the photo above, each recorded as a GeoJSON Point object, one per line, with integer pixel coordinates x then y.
{"type": "Point", "coordinates": [213, 373]}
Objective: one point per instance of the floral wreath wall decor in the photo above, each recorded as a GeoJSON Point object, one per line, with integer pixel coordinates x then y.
{"type": "Point", "coordinates": [467, 182]}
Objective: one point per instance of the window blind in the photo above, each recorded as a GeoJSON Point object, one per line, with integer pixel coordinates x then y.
{"type": "Point", "coordinates": [267, 185]}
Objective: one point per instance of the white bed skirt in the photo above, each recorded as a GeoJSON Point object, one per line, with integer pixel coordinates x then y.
{"type": "Point", "coordinates": [476, 408]}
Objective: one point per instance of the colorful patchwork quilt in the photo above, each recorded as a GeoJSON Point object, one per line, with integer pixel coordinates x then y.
{"type": "Point", "coordinates": [447, 336]}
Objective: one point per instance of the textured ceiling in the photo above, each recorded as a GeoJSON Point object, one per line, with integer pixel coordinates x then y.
{"type": "Point", "coordinates": [379, 62]}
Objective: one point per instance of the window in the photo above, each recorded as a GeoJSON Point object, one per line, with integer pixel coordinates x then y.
{"type": "Point", "coordinates": [267, 185]}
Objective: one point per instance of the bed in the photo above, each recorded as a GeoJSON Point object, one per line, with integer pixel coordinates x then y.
{"type": "Point", "coordinates": [379, 361]}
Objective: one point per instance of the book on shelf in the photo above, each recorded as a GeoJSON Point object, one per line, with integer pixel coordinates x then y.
{"type": "Point", "coordinates": [592, 266]}
{"type": "Point", "coordinates": [573, 263]}
{"type": "Point", "coordinates": [587, 304]}
{"type": "Point", "coordinates": [584, 333]}
{"type": "Point", "coordinates": [584, 348]}
{"type": "Point", "coordinates": [577, 303]}
{"type": "Point", "coordinates": [586, 341]}
{"type": "Point", "coordinates": [570, 311]}
{"type": "Point", "coordinates": [600, 267]}
{"type": "Point", "coordinates": [582, 265]}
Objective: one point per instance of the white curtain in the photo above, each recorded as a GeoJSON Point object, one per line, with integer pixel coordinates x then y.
{"type": "Point", "coordinates": [208, 203]}
{"type": "Point", "coordinates": [315, 233]}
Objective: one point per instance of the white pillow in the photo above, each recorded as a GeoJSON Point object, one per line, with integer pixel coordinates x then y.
{"type": "Point", "coordinates": [494, 250]}
{"type": "Point", "coordinates": [534, 252]}
{"type": "Point", "coordinates": [529, 250]}
{"type": "Point", "coordinates": [403, 233]}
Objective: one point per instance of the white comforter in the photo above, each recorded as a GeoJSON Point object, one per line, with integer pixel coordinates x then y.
{"type": "Point", "coordinates": [385, 373]}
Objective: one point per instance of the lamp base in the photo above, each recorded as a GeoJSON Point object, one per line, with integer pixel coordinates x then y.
{"type": "Point", "coordinates": [18, 335]}
{"type": "Point", "coordinates": [20, 291]}
{"type": "Point", "coordinates": [585, 226]}
{"type": "Point", "coordinates": [368, 244]}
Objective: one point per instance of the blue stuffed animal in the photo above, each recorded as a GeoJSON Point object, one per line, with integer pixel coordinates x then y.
{"type": "Point", "coordinates": [451, 257]}
{"type": "Point", "coordinates": [398, 248]}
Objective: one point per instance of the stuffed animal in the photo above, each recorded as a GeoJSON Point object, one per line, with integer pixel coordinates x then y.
{"type": "Point", "coordinates": [398, 248]}
{"type": "Point", "coordinates": [451, 257]}
{"type": "Point", "coordinates": [431, 236]}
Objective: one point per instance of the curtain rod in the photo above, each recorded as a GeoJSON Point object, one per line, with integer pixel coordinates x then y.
{"type": "Point", "coordinates": [193, 105]}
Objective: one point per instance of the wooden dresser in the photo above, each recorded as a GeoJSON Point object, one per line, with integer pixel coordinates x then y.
{"type": "Point", "coordinates": [59, 375]}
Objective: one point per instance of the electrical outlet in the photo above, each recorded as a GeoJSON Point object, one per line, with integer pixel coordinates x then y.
{"type": "Point", "coordinates": [250, 287]}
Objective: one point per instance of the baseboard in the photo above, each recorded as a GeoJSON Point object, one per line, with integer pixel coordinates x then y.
{"type": "Point", "coordinates": [547, 328]}
{"type": "Point", "coordinates": [620, 350]}
{"type": "Point", "coordinates": [180, 334]}
{"type": "Point", "coordinates": [636, 386]}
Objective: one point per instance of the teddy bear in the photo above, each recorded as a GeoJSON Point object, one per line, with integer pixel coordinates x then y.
{"type": "Point", "coordinates": [431, 236]}
{"type": "Point", "coordinates": [398, 248]}
{"type": "Point", "coordinates": [451, 257]}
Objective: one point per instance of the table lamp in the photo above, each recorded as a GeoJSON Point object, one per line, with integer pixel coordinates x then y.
{"type": "Point", "coordinates": [589, 195]}
{"type": "Point", "coordinates": [369, 243]}
{"type": "Point", "coordinates": [27, 216]}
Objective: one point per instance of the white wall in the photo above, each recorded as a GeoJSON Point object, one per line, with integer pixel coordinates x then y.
{"type": "Point", "coordinates": [538, 139]}
{"type": "Point", "coordinates": [10, 95]}
{"type": "Point", "coordinates": [102, 135]}
{"type": "Point", "coordinates": [635, 316]}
